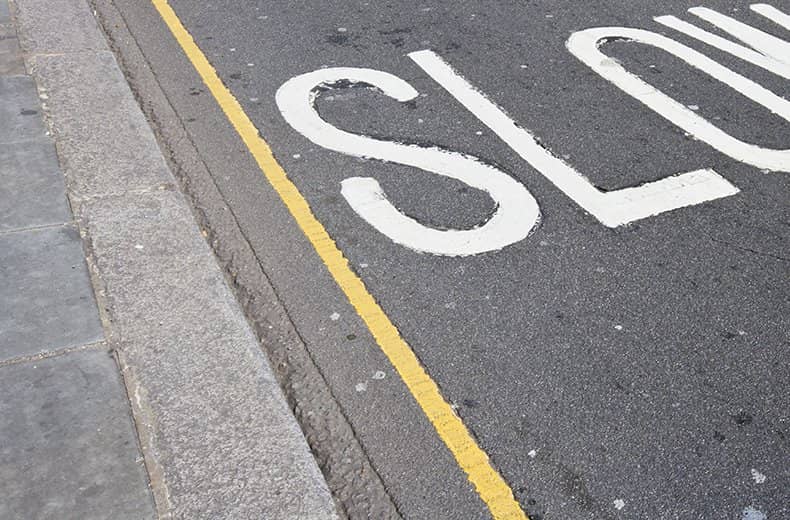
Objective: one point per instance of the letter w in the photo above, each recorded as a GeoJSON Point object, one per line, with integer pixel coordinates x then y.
{"type": "Point", "coordinates": [767, 51]}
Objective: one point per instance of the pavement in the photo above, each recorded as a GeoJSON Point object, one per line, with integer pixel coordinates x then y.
{"type": "Point", "coordinates": [132, 384]}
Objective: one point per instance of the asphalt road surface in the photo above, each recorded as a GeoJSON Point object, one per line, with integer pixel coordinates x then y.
{"type": "Point", "coordinates": [617, 354]}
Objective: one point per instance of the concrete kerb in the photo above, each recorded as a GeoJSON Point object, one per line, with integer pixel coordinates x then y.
{"type": "Point", "coordinates": [354, 483]}
{"type": "Point", "coordinates": [217, 434]}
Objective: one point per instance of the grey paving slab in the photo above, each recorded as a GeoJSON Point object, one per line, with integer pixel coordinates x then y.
{"type": "Point", "coordinates": [11, 64]}
{"type": "Point", "coordinates": [72, 30]}
{"type": "Point", "coordinates": [5, 15]}
{"type": "Point", "coordinates": [46, 299]}
{"type": "Point", "coordinates": [194, 360]}
{"type": "Point", "coordinates": [106, 147]}
{"type": "Point", "coordinates": [8, 39]}
{"type": "Point", "coordinates": [69, 448]}
{"type": "Point", "coordinates": [20, 112]}
{"type": "Point", "coordinates": [32, 191]}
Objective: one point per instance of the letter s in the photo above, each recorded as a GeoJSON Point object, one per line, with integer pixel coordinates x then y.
{"type": "Point", "coordinates": [517, 211]}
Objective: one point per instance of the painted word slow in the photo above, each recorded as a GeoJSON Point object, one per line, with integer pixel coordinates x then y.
{"type": "Point", "coordinates": [517, 212]}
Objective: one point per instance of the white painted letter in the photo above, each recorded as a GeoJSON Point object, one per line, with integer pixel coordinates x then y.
{"type": "Point", "coordinates": [765, 43]}
{"type": "Point", "coordinates": [773, 14]}
{"type": "Point", "coordinates": [771, 53]}
{"type": "Point", "coordinates": [584, 45]}
{"type": "Point", "coordinates": [517, 211]}
{"type": "Point", "coordinates": [613, 208]}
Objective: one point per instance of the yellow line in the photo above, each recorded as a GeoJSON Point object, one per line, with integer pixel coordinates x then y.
{"type": "Point", "coordinates": [473, 461]}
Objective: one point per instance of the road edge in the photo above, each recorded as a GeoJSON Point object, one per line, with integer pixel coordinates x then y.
{"type": "Point", "coordinates": [354, 483]}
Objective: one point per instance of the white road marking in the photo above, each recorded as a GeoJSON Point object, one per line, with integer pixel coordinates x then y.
{"type": "Point", "coordinates": [768, 63]}
{"type": "Point", "coordinates": [763, 42]}
{"type": "Point", "coordinates": [773, 14]}
{"type": "Point", "coordinates": [584, 45]}
{"type": "Point", "coordinates": [612, 208]}
{"type": "Point", "coordinates": [517, 211]}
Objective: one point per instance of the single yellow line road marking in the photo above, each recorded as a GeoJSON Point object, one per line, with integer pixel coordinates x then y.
{"type": "Point", "coordinates": [489, 484]}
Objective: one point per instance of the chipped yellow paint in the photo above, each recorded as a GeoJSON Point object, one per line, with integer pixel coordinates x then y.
{"type": "Point", "coordinates": [489, 485]}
